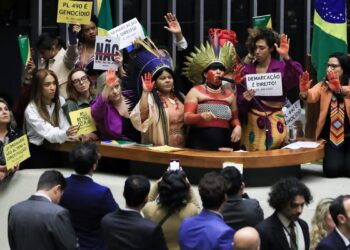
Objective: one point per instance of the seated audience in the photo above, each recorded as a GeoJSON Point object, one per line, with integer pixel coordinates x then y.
{"type": "Point", "coordinates": [126, 228]}
{"type": "Point", "coordinates": [8, 134]}
{"type": "Point", "coordinates": [247, 238]}
{"type": "Point", "coordinates": [45, 121]}
{"type": "Point", "coordinates": [80, 94]}
{"type": "Point", "coordinates": [208, 230]}
{"type": "Point", "coordinates": [86, 200]}
{"type": "Point", "coordinates": [339, 238]}
{"type": "Point", "coordinates": [39, 223]}
{"type": "Point", "coordinates": [322, 223]}
{"type": "Point", "coordinates": [284, 230]}
{"type": "Point", "coordinates": [333, 96]}
{"type": "Point", "coordinates": [239, 210]}
{"type": "Point", "coordinates": [170, 201]}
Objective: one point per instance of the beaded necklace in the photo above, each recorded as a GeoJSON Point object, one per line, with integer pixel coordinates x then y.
{"type": "Point", "coordinates": [173, 100]}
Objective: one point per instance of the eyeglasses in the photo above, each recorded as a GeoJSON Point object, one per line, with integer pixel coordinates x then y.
{"type": "Point", "coordinates": [83, 79]}
{"type": "Point", "coordinates": [333, 66]}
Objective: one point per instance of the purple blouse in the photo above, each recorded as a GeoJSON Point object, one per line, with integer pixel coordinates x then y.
{"type": "Point", "coordinates": [108, 120]}
{"type": "Point", "coordinates": [290, 70]}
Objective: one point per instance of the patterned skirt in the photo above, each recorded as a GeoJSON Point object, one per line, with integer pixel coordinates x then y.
{"type": "Point", "coordinates": [265, 130]}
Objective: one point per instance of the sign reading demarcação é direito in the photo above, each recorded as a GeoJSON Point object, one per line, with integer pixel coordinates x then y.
{"type": "Point", "coordinates": [268, 84]}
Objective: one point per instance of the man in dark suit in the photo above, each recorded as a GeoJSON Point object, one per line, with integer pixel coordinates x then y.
{"type": "Point", "coordinates": [126, 229]}
{"type": "Point", "coordinates": [39, 223]}
{"type": "Point", "coordinates": [208, 230]}
{"type": "Point", "coordinates": [339, 239]}
{"type": "Point", "coordinates": [86, 200]}
{"type": "Point", "coordinates": [239, 211]}
{"type": "Point", "coordinates": [284, 230]}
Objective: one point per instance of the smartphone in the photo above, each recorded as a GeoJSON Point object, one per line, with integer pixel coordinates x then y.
{"type": "Point", "coordinates": [174, 165]}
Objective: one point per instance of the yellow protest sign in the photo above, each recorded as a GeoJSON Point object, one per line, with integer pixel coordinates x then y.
{"type": "Point", "coordinates": [83, 118]}
{"type": "Point", "coordinates": [16, 151]}
{"type": "Point", "coordinates": [74, 12]}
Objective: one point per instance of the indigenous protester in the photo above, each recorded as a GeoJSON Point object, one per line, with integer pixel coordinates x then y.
{"type": "Point", "coordinates": [333, 122]}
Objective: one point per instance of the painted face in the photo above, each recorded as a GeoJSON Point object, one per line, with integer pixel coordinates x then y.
{"type": "Point", "coordinates": [49, 88]}
{"type": "Point", "coordinates": [89, 31]}
{"type": "Point", "coordinates": [165, 82]}
{"type": "Point", "coordinates": [262, 51]}
{"type": "Point", "coordinates": [334, 65]}
{"type": "Point", "coordinates": [295, 208]}
{"type": "Point", "coordinates": [213, 76]}
{"type": "Point", "coordinates": [4, 114]}
{"type": "Point", "coordinates": [81, 82]}
{"type": "Point", "coordinates": [115, 94]}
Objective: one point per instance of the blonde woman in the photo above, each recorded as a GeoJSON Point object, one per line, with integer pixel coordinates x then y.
{"type": "Point", "coordinates": [322, 223]}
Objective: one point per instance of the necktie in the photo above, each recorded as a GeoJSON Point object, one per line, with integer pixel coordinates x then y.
{"type": "Point", "coordinates": [293, 237]}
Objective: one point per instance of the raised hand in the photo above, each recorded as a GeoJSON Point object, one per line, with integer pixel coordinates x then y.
{"type": "Point", "coordinates": [111, 78]}
{"type": "Point", "coordinates": [238, 75]}
{"type": "Point", "coordinates": [304, 82]}
{"type": "Point", "coordinates": [75, 28]}
{"type": "Point", "coordinates": [283, 49]}
{"type": "Point", "coordinates": [173, 24]}
{"type": "Point", "coordinates": [333, 81]}
{"type": "Point", "coordinates": [147, 82]}
{"type": "Point", "coordinates": [118, 58]}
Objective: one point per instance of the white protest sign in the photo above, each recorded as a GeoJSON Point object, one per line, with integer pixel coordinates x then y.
{"type": "Point", "coordinates": [127, 32]}
{"type": "Point", "coordinates": [105, 48]}
{"type": "Point", "coordinates": [268, 84]}
{"type": "Point", "coordinates": [292, 113]}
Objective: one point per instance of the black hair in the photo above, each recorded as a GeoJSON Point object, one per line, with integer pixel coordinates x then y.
{"type": "Point", "coordinates": [268, 35]}
{"type": "Point", "coordinates": [83, 157]}
{"type": "Point", "coordinates": [47, 41]}
{"type": "Point", "coordinates": [173, 190]}
{"type": "Point", "coordinates": [344, 62]}
{"type": "Point", "coordinates": [51, 178]}
{"type": "Point", "coordinates": [213, 66]}
{"type": "Point", "coordinates": [136, 189]}
{"type": "Point", "coordinates": [159, 103]}
{"type": "Point", "coordinates": [337, 207]}
{"type": "Point", "coordinates": [212, 190]}
{"type": "Point", "coordinates": [233, 180]}
{"type": "Point", "coordinates": [284, 191]}
{"type": "Point", "coordinates": [80, 35]}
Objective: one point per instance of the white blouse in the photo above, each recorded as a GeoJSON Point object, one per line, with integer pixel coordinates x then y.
{"type": "Point", "coordinates": [38, 129]}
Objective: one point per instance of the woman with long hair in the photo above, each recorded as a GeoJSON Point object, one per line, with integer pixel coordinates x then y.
{"type": "Point", "coordinates": [80, 94]}
{"type": "Point", "coordinates": [333, 124]}
{"type": "Point", "coordinates": [8, 133]}
{"type": "Point", "coordinates": [44, 119]}
{"type": "Point", "coordinates": [322, 223]}
{"type": "Point", "coordinates": [171, 200]}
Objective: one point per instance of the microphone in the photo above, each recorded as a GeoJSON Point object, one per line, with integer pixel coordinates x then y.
{"type": "Point", "coordinates": [226, 79]}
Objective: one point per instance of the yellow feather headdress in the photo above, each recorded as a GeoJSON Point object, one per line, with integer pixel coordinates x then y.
{"type": "Point", "coordinates": [206, 55]}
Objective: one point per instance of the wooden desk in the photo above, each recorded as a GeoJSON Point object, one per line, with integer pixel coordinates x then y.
{"type": "Point", "coordinates": [207, 159]}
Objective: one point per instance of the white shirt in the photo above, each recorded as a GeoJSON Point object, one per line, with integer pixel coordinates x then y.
{"type": "Point", "coordinates": [43, 195]}
{"type": "Point", "coordinates": [298, 231]}
{"type": "Point", "coordinates": [38, 129]}
{"type": "Point", "coordinates": [182, 44]}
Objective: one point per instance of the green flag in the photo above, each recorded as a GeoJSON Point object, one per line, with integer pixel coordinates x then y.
{"type": "Point", "coordinates": [262, 21]}
{"type": "Point", "coordinates": [329, 33]}
{"type": "Point", "coordinates": [105, 22]}
{"type": "Point", "coordinates": [24, 48]}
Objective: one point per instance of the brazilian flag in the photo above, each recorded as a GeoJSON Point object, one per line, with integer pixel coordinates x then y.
{"type": "Point", "coordinates": [105, 22]}
{"type": "Point", "coordinates": [329, 34]}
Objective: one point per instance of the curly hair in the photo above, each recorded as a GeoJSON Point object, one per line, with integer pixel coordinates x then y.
{"type": "Point", "coordinates": [72, 92]}
{"type": "Point", "coordinates": [319, 222]}
{"type": "Point", "coordinates": [173, 190]}
{"type": "Point", "coordinates": [269, 35]}
{"type": "Point", "coordinates": [285, 190]}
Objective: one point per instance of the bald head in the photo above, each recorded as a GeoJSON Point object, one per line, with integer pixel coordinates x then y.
{"type": "Point", "coordinates": [246, 238]}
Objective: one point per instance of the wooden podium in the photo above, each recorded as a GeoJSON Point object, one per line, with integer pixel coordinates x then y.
{"type": "Point", "coordinates": [260, 167]}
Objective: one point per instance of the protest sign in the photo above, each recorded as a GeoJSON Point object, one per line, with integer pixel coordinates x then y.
{"type": "Point", "coordinates": [84, 120]}
{"type": "Point", "coordinates": [268, 84]}
{"type": "Point", "coordinates": [105, 48]}
{"type": "Point", "coordinates": [127, 33]}
{"type": "Point", "coordinates": [292, 113]}
{"type": "Point", "coordinates": [24, 48]}
{"type": "Point", "coordinates": [262, 21]}
{"type": "Point", "coordinates": [74, 12]}
{"type": "Point", "coordinates": [16, 152]}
